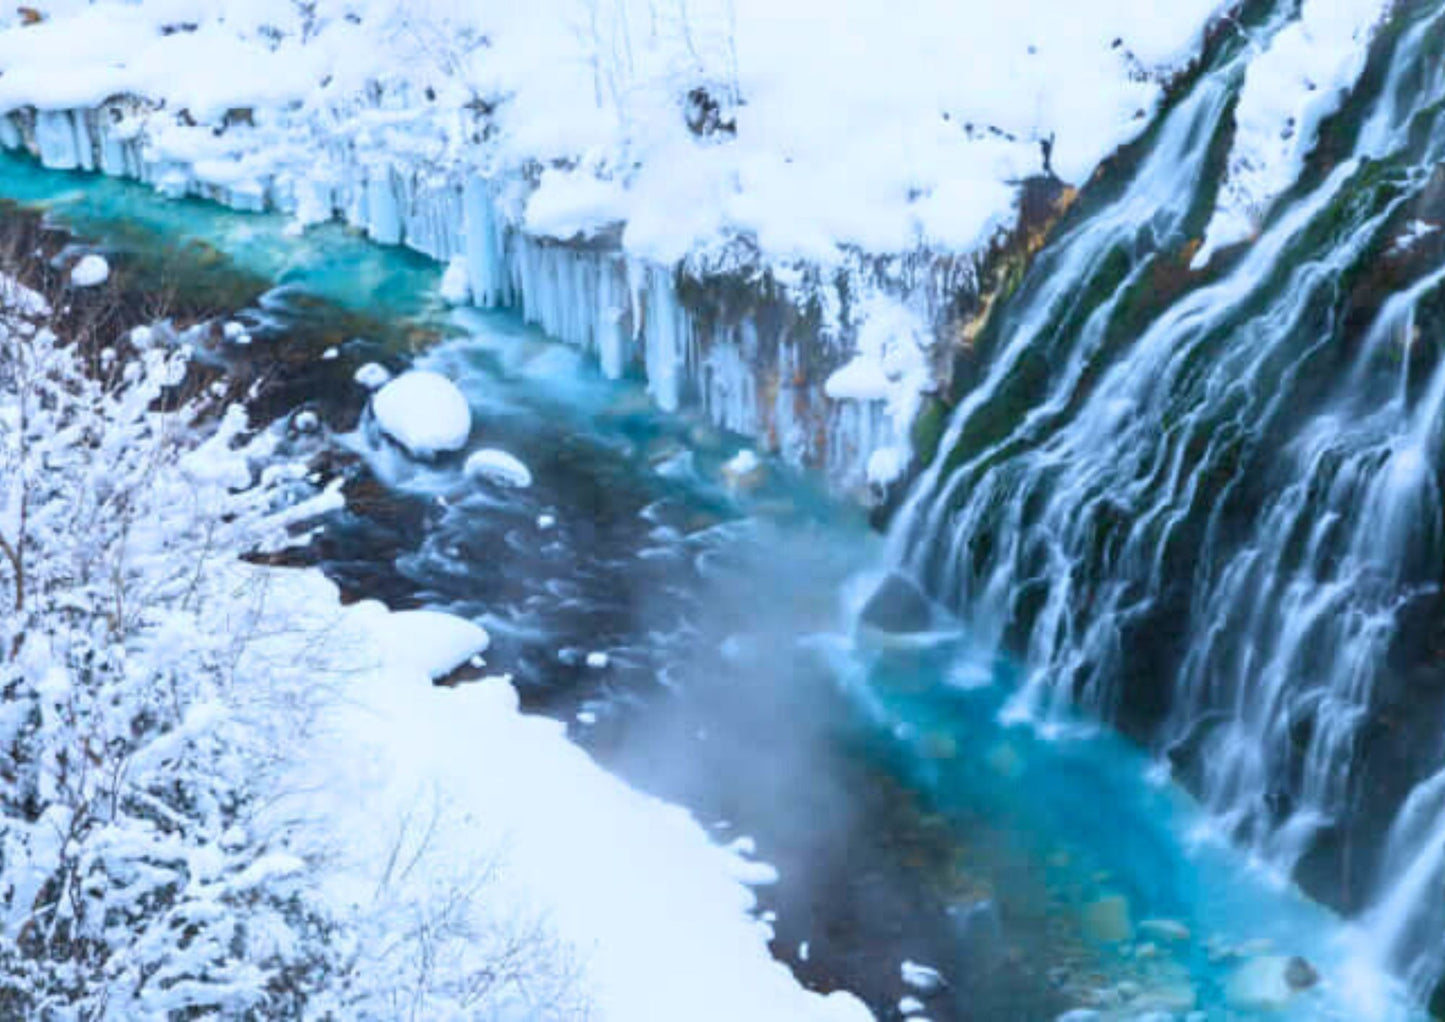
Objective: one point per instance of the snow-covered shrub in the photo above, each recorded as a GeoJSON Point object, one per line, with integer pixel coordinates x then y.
{"type": "Point", "coordinates": [132, 756]}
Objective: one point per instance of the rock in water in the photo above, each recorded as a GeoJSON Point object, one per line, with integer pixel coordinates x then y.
{"type": "Point", "coordinates": [1300, 974]}
{"type": "Point", "coordinates": [498, 467]}
{"type": "Point", "coordinates": [1107, 921]}
{"type": "Point", "coordinates": [1169, 930]}
{"type": "Point", "coordinates": [898, 606]}
{"type": "Point", "coordinates": [373, 376]}
{"type": "Point", "coordinates": [1263, 984]}
{"type": "Point", "coordinates": [923, 978]}
{"type": "Point", "coordinates": [745, 472]}
{"type": "Point", "coordinates": [424, 412]}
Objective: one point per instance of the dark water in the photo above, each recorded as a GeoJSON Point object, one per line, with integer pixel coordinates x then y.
{"type": "Point", "coordinates": [906, 820]}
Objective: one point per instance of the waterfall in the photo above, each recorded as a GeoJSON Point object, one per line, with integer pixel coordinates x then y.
{"type": "Point", "coordinates": [1206, 504]}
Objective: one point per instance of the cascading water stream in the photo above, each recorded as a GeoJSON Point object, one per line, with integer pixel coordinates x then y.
{"type": "Point", "coordinates": [1207, 507]}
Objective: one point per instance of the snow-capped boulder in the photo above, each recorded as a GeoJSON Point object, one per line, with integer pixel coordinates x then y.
{"type": "Point", "coordinates": [91, 271]}
{"type": "Point", "coordinates": [498, 467]}
{"type": "Point", "coordinates": [373, 376]}
{"type": "Point", "coordinates": [1268, 983]}
{"type": "Point", "coordinates": [424, 412]}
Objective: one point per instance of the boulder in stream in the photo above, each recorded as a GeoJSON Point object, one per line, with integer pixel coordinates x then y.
{"type": "Point", "coordinates": [424, 412]}
{"type": "Point", "coordinates": [1268, 983]}
{"type": "Point", "coordinates": [1107, 921]}
{"type": "Point", "coordinates": [898, 607]}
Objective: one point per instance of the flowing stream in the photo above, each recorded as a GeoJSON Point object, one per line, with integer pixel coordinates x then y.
{"type": "Point", "coordinates": [1202, 506]}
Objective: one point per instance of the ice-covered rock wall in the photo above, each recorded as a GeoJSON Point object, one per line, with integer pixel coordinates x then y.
{"type": "Point", "coordinates": [750, 354]}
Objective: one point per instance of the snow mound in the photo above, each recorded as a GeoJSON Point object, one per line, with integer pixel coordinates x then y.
{"type": "Point", "coordinates": [16, 297]}
{"type": "Point", "coordinates": [498, 467]}
{"type": "Point", "coordinates": [655, 912]}
{"type": "Point", "coordinates": [373, 376]}
{"type": "Point", "coordinates": [91, 271]}
{"type": "Point", "coordinates": [424, 412]}
{"type": "Point", "coordinates": [429, 642]}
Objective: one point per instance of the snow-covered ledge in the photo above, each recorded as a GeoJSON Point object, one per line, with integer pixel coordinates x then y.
{"type": "Point", "coordinates": [777, 217]}
{"type": "Point", "coordinates": [755, 365]}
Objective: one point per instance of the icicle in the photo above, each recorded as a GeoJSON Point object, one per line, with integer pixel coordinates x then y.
{"type": "Point", "coordinates": [383, 218]}
{"type": "Point", "coordinates": [55, 140]}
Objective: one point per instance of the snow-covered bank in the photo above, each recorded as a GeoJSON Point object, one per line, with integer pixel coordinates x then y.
{"type": "Point", "coordinates": [721, 194]}
{"type": "Point", "coordinates": [655, 919]}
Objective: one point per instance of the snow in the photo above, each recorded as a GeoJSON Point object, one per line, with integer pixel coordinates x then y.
{"type": "Point", "coordinates": [16, 297]}
{"type": "Point", "coordinates": [429, 642]}
{"type": "Point", "coordinates": [887, 464]}
{"type": "Point", "coordinates": [424, 412]}
{"type": "Point", "coordinates": [744, 463]}
{"type": "Point", "coordinates": [90, 271]}
{"type": "Point", "coordinates": [373, 376]}
{"type": "Point", "coordinates": [456, 288]}
{"type": "Point", "coordinates": [1301, 78]}
{"type": "Point", "coordinates": [236, 333]}
{"type": "Point", "coordinates": [498, 467]}
{"type": "Point", "coordinates": [1415, 231]}
{"type": "Point", "coordinates": [892, 361]}
{"type": "Point", "coordinates": [923, 978]}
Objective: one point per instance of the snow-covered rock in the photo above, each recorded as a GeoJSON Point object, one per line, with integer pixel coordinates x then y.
{"type": "Point", "coordinates": [923, 978]}
{"type": "Point", "coordinates": [373, 376]}
{"type": "Point", "coordinates": [498, 467]}
{"type": "Point", "coordinates": [424, 412]}
{"type": "Point", "coordinates": [1259, 985]}
{"type": "Point", "coordinates": [90, 271]}
{"type": "Point", "coordinates": [744, 471]}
